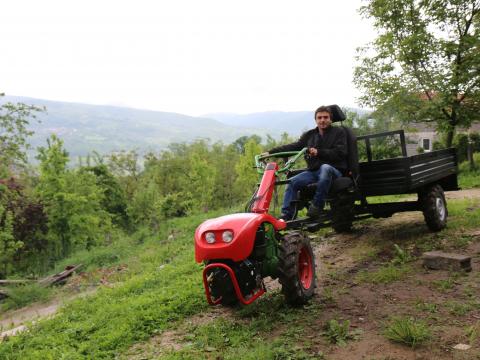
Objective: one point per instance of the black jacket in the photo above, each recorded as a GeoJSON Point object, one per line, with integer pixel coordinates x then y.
{"type": "Point", "coordinates": [332, 148]}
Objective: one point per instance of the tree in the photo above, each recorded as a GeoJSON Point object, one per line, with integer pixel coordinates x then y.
{"type": "Point", "coordinates": [73, 202]}
{"type": "Point", "coordinates": [425, 63]}
{"type": "Point", "coordinates": [247, 176]}
{"type": "Point", "coordinates": [125, 166]}
{"type": "Point", "coordinates": [8, 244]}
{"type": "Point", "coordinates": [14, 119]}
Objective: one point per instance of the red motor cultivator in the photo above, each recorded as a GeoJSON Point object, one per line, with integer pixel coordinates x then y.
{"type": "Point", "coordinates": [240, 250]}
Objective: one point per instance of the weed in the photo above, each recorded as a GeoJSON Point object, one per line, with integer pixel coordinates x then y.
{"type": "Point", "coordinates": [459, 308]}
{"type": "Point", "coordinates": [407, 331]}
{"type": "Point", "coordinates": [328, 296]}
{"type": "Point", "coordinates": [384, 275]}
{"type": "Point", "coordinates": [339, 332]}
{"type": "Point", "coordinates": [444, 284]}
{"type": "Point", "coordinates": [424, 306]}
{"type": "Point", "coordinates": [401, 256]}
{"type": "Point", "coordinates": [473, 332]}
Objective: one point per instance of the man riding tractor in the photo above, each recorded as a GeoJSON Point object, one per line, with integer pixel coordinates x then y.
{"type": "Point", "coordinates": [326, 160]}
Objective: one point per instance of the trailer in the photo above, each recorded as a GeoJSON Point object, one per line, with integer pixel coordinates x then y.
{"type": "Point", "coordinates": [425, 175]}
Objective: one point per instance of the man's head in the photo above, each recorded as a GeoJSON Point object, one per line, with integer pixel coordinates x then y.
{"type": "Point", "coordinates": [323, 117]}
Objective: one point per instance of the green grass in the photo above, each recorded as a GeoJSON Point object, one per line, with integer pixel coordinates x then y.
{"type": "Point", "coordinates": [150, 299]}
{"type": "Point", "coordinates": [22, 295]}
{"type": "Point", "coordinates": [161, 289]}
{"type": "Point", "coordinates": [338, 332]}
{"type": "Point", "coordinates": [407, 331]}
{"type": "Point", "coordinates": [384, 275]}
{"type": "Point", "coordinates": [467, 178]}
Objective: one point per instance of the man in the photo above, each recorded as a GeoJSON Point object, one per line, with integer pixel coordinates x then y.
{"type": "Point", "coordinates": [326, 160]}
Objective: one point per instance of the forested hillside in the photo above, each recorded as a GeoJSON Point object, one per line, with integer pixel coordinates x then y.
{"type": "Point", "coordinates": [85, 128]}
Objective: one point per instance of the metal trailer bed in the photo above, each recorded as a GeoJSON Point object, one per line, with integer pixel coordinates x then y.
{"type": "Point", "coordinates": [406, 174]}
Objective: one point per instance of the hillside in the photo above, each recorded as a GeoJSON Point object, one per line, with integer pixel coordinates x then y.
{"type": "Point", "coordinates": [149, 302]}
{"type": "Point", "coordinates": [85, 127]}
{"type": "Point", "coordinates": [291, 122]}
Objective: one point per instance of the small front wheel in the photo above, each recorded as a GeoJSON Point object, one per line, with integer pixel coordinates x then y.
{"type": "Point", "coordinates": [434, 207]}
{"type": "Point", "coordinates": [297, 268]}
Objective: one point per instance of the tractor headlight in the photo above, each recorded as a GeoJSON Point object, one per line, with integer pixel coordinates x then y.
{"type": "Point", "coordinates": [210, 237]}
{"type": "Point", "coordinates": [227, 236]}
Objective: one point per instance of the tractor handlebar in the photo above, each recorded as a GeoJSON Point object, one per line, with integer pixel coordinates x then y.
{"type": "Point", "coordinates": [293, 155]}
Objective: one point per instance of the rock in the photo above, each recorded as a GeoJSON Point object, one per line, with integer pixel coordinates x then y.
{"type": "Point", "coordinates": [462, 347]}
{"type": "Point", "coordinates": [438, 260]}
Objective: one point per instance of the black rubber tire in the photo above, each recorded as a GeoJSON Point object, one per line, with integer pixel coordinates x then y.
{"type": "Point", "coordinates": [342, 215]}
{"type": "Point", "coordinates": [434, 207]}
{"type": "Point", "coordinates": [290, 249]}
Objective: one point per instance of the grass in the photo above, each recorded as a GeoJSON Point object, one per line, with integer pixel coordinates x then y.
{"type": "Point", "coordinates": [151, 298]}
{"type": "Point", "coordinates": [384, 275]}
{"type": "Point", "coordinates": [425, 306]}
{"type": "Point", "coordinates": [22, 295]}
{"type": "Point", "coordinates": [338, 332]}
{"type": "Point", "coordinates": [407, 331]}
{"type": "Point", "coordinates": [161, 290]}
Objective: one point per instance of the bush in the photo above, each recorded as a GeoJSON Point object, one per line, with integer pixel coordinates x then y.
{"type": "Point", "coordinates": [20, 296]}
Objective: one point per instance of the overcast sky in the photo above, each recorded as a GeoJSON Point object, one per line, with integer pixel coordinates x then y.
{"type": "Point", "coordinates": [187, 56]}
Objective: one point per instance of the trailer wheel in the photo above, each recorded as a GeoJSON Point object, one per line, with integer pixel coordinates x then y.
{"type": "Point", "coordinates": [434, 208]}
{"type": "Point", "coordinates": [297, 268]}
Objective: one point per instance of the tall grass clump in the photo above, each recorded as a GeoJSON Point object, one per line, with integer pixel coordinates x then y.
{"type": "Point", "coordinates": [407, 331]}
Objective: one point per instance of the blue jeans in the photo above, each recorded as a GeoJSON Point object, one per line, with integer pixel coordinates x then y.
{"type": "Point", "coordinates": [323, 177]}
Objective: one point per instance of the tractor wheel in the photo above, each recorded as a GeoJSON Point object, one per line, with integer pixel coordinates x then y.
{"type": "Point", "coordinates": [296, 268]}
{"type": "Point", "coordinates": [434, 207]}
{"type": "Point", "coordinates": [342, 215]}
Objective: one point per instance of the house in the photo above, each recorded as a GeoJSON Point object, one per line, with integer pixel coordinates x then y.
{"type": "Point", "coordinates": [423, 135]}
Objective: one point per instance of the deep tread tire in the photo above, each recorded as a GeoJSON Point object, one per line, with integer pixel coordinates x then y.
{"type": "Point", "coordinates": [434, 207]}
{"type": "Point", "coordinates": [295, 246]}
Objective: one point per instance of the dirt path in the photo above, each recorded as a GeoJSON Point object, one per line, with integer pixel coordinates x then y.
{"type": "Point", "coordinates": [15, 321]}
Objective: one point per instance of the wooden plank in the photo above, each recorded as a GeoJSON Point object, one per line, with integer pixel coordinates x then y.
{"type": "Point", "coordinates": [14, 282]}
{"type": "Point", "coordinates": [60, 277]}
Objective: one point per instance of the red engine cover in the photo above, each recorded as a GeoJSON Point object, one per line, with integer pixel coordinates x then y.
{"type": "Point", "coordinates": [244, 227]}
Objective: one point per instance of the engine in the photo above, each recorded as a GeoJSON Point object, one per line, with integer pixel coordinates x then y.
{"type": "Point", "coordinates": [221, 285]}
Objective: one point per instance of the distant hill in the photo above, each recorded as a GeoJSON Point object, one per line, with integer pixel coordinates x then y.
{"type": "Point", "coordinates": [293, 122]}
{"type": "Point", "coordinates": [85, 128]}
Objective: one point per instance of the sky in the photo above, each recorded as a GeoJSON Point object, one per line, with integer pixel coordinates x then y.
{"type": "Point", "coordinates": [187, 56]}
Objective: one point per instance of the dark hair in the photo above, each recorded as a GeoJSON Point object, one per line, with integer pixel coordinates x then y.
{"type": "Point", "coordinates": [323, 109]}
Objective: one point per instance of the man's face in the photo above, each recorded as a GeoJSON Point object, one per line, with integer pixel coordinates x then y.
{"type": "Point", "coordinates": [323, 120]}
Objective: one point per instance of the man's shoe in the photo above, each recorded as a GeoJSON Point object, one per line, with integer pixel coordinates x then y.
{"type": "Point", "coordinates": [285, 217]}
{"type": "Point", "coordinates": [313, 211]}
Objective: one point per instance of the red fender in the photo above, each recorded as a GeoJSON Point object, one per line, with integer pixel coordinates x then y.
{"type": "Point", "coordinates": [244, 227]}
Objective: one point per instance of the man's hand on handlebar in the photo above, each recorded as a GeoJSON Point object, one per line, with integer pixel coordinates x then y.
{"type": "Point", "coordinates": [312, 151]}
